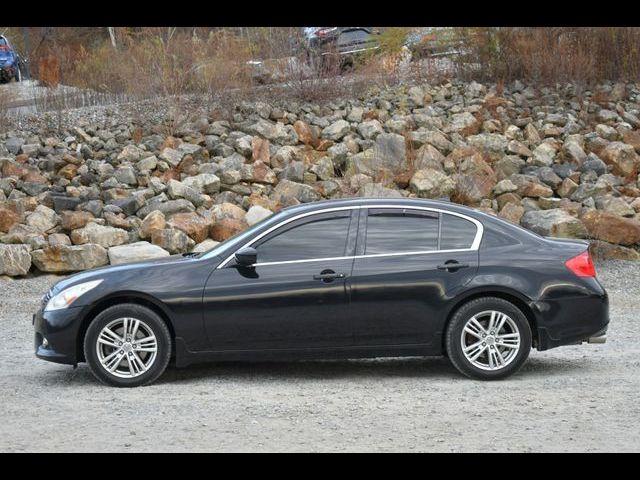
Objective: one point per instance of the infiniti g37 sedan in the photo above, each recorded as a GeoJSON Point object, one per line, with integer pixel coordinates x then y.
{"type": "Point", "coordinates": [349, 278]}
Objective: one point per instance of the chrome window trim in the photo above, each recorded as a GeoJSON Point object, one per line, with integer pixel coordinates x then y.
{"type": "Point", "coordinates": [284, 222]}
{"type": "Point", "coordinates": [474, 246]}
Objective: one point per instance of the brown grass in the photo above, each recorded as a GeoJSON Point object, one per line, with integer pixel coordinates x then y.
{"type": "Point", "coordinates": [552, 54]}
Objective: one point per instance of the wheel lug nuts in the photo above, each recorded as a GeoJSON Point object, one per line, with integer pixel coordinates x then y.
{"type": "Point", "coordinates": [121, 351]}
{"type": "Point", "coordinates": [483, 335]}
{"type": "Point", "coordinates": [484, 343]}
{"type": "Point", "coordinates": [119, 343]}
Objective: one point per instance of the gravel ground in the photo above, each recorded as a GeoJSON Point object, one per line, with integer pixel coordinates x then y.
{"type": "Point", "coordinates": [576, 398]}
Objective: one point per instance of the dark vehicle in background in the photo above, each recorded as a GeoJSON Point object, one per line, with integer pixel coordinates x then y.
{"type": "Point", "coordinates": [338, 46]}
{"type": "Point", "coordinates": [350, 278]}
{"type": "Point", "coordinates": [12, 66]}
{"type": "Point", "coordinates": [424, 42]}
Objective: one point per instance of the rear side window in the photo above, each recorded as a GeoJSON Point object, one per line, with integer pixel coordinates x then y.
{"type": "Point", "coordinates": [456, 233]}
{"type": "Point", "coordinates": [320, 237]}
{"type": "Point", "coordinates": [398, 230]}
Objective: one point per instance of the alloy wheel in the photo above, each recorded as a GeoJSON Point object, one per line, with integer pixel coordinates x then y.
{"type": "Point", "coordinates": [490, 340]}
{"type": "Point", "coordinates": [126, 347]}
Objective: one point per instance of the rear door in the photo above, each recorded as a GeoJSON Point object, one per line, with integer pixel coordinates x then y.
{"type": "Point", "coordinates": [409, 263]}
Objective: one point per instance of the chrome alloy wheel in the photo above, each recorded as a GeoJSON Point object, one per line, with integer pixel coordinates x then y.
{"type": "Point", "coordinates": [490, 340]}
{"type": "Point", "coordinates": [126, 347]}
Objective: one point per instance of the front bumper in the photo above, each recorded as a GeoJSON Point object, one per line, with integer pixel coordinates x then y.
{"type": "Point", "coordinates": [60, 328]}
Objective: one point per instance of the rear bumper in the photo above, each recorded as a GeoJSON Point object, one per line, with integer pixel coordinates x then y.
{"type": "Point", "coordinates": [7, 73]}
{"type": "Point", "coordinates": [573, 320]}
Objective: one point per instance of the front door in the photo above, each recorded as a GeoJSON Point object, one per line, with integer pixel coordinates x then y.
{"type": "Point", "coordinates": [295, 296]}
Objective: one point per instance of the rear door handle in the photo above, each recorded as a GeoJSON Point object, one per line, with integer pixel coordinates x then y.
{"type": "Point", "coordinates": [452, 266]}
{"type": "Point", "coordinates": [328, 276]}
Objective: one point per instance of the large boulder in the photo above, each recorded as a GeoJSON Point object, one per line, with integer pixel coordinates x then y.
{"type": "Point", "coordinates": [228, 219]}
{"type": "Point", "coordinates": [256, 214]}
{"type": "Point", "coordinates": [195, 226]}
{"type": "Point", "coordinates": [378, 190]}
{"type": "Point", "coordinates": [100, 235]}
{"type": "Point", "coordinates": [554, 223]}
{"type": "Point", "coordinates": [493, 145]}
{"type": "Point", "coordinates": [257, 172]}
{"type": "Point", "coordinates": [174, 241]}
{"type": "Point", "coordinates": [621, 157]}
{"type": "Point", "coordinates": [203, 183]}
{"type": "Point", "coordinates": [370, 129]}
{"type": "Point", "coordinates": [611, 228]}
{"type": "Point", "coordinates": [152, 222]}
{"type": "Point", "coordinates": [14, 260]}
{"type": "Point", "coordinates": [608, 251]}
{"type": "Point", "coordinates": [475, 180]}
{"type": "Point", "coordinates": [65, 258]}
{"type": "Point", "coordinates": [464, 123]}
{"type": "Point", "coordinates": [336, 130]}
{"type": "Point", "coordinates": [43, 219]}
{"type": "Point", "coordinates": [390, 152]}
{"type": "Point", "coordinates": [135, 252]}
{"type": "Point", "coordinates": [289, 193]}
{"type": "Point", "coordinates": [168, 208]}
{"type": "Point", "coordinates": [432, 183]}
{"type": "Point", "coordinates": [8, 218]}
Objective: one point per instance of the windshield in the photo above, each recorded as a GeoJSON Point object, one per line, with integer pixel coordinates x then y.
{"type": "Point", "coordinates": [240, 237]}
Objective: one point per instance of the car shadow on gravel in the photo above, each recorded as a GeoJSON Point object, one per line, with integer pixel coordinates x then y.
{"type": "Point", "coordinates": [432, 368]}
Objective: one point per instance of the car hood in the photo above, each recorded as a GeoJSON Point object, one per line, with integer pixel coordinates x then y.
{"type": "Point", "coordinates": [116, 270]}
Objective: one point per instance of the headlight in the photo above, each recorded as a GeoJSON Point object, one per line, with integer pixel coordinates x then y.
{"type": "Point", "coordinates": [70, 295]}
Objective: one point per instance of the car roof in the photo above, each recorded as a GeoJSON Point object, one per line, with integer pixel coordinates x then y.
{"type": "Point", "coordinates": [485, 218]}
{"type": "Point", "coordinates": [373, 201]}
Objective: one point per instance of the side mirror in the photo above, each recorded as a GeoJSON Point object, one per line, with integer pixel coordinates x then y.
{"type": "Point", "coordinates": [246, 256]}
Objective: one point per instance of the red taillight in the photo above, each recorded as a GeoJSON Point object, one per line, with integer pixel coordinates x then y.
{"type": "Point", "coordinates": [582, 265]}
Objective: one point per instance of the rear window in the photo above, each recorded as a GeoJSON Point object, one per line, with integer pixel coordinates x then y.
{"type": "Point", "coordinates": [397, 230]}
{"type": "Point", "coordinates": [456, 233]}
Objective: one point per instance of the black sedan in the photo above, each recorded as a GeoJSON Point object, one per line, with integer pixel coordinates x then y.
{"type": "Point", "coordinates": [348, 278]}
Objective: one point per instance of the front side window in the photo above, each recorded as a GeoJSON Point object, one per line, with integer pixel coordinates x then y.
{"type": "Point", "coordinates": [321, 236]}
{"type": "Point", "coordinates": [401, 230]}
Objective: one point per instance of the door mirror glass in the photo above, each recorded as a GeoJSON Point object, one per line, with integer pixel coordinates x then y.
{"type": "Point", "coordinates": [246, 256]}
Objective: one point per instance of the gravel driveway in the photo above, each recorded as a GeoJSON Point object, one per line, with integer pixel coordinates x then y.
{"type": "Point", "coordinates": [577, 398]}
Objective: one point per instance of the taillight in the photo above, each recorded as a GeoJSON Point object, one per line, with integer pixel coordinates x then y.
{"type": "Point", "coordinates": [582, 265]}
{"type": "Point", "coordinates": [321, 32]}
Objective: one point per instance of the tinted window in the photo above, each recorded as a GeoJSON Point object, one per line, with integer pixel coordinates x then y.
{"type": "Point", "coordinates": [401, 231]}
{"type": "Point", "coordinates": [324, 236]}
{"type": "Point", "coordinates": [456, 233]}
{"type": "Point", "coordinates": [495, 237]}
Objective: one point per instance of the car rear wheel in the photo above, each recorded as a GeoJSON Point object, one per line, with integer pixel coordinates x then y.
{"type": "Point", "coordinates": [488, 338]}
{"type": "Point", "coordinates": [127, 345]}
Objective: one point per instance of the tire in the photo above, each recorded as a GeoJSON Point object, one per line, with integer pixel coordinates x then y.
{"type": "Point", "coordinates": [144, 364]}
{"type": "Point", "coordinates": [18, 74]}
{"type": "Point", "coordinates": [511, 345]}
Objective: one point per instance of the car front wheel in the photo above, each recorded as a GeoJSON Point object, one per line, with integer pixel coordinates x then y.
{"type": "Point", "coordinates": [127, 345]}
{"type": "Point", "coordinates": [488, 338]}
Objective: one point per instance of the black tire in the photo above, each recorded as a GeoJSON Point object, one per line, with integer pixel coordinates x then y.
{"type": "Point", "coordinates": [18, 75]}
{"type": "Point", "coordinates": [454, 333]}
{"type": "Point", "coordinates": [152, 321]}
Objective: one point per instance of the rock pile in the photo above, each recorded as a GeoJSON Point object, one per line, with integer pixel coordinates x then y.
{"type": "Point", "coordinates": [111, 190]}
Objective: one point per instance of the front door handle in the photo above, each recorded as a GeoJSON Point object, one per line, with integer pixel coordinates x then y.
{"type": "Point", "coordinates": [452, 266]}
{"type": "Point", "coordinates": [328, 276]}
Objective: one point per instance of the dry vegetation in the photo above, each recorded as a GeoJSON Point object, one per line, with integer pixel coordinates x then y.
{"type": "Point", "coordinates": [213, 63]}
{"type": "Point", "coordinates": [552, 54]}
